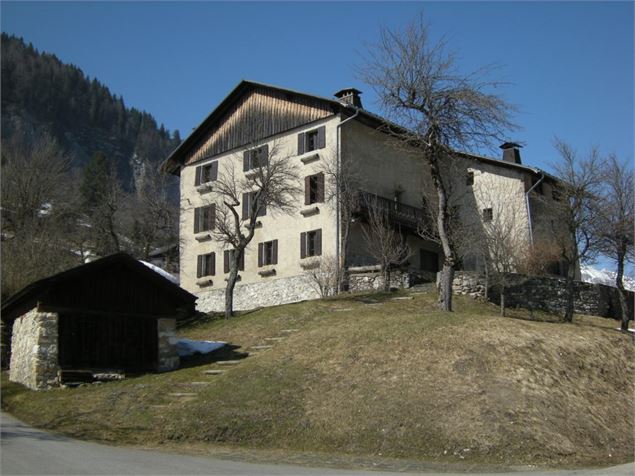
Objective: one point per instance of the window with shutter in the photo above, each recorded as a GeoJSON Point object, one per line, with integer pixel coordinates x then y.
{"type": "Point", "coordinates": [248, 199]}
{"type": "Point", "coordinates": [311, 244]}
{"type": "Point", "coordinates": [206, 265]}
{"type": "Point", "coordinates": [314, 189]}
{"type": "Point", "coordinates": [312, 140]}
{"type": "Point", "coordinates": [228, 257]}
{"type": "Point", "coordinates": [488, 214]}
{"type": "Point", "coordinates": [255, 158]}
{"type": "Point", "coordinates": [204, 218]}
{"type": "Point", "coordinates": [267, 253]}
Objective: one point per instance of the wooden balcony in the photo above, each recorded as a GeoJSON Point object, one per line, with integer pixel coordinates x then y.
{"type": "Point", "coordinates": [399, 213]}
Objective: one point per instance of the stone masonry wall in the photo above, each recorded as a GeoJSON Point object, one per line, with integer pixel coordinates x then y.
{"type": "Point", "coordinates": [269, 292]}
{"type": "Point", "coordinates": [168, 357]}
{"type": "Point", "coordinates": [34, 350]}
{"type": "Point", "coordinates": [545, 293]}
{"type": "Point", "coordinates": [369, 278]}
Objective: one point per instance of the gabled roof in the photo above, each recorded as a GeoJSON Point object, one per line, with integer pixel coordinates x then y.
{"type": "Point", "coordinates": [28, 297]}
{"type": "Point", "coordinates": [176, 159]}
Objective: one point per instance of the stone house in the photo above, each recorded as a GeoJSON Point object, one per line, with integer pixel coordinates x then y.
{"type": "Point", "coordinates": [111, 315]}
{"type": "Point", "coordinates": [315, 135]}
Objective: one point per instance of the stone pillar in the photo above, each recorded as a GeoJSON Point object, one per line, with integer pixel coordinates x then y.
{"type": "Point", "coordinates": [34, 351]}
{"type": "Point", "coordinates": [168, 357]}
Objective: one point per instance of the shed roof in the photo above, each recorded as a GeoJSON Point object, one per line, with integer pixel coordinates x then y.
{"type": "Point", "coordinates": [28, 297]}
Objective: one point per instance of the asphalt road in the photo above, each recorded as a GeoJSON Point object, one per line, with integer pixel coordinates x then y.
{"type": "Point", "coordinates": [26, 450]}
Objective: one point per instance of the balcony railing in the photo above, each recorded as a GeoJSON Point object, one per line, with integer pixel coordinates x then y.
{"type": "Point", "coordinates": [400, 213]}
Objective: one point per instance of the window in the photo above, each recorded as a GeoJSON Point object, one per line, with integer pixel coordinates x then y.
{"type": "Point", "coordinates": [311, 243]}
{"type": "Point", "coordinates": [204, 218]}
{"type": "Point", "coordinates": [314, 189]}
{"type": "Point", "coordinates": [248, 199]}
{"type": "Point", "coordinates": [254, 158]}
{"type": "Point", "coordinates": [469, 179]}
{"type": "Point", "coordinates": [206, 173]}
{"type": "Point", "coordinates": [227, 258]}
{"type": "Point", "coordinates": [488, 214]}
{"type": "Point", "coordinates": [556, 195]}
{"type": "Point", "coordinates": [312, 140]}
{"type": "Point", "coordinates": [428, 261]}
{"type": "Point", "coordinates": [206, 265]}
{"type": "Point", "coordinates": [267, 253]}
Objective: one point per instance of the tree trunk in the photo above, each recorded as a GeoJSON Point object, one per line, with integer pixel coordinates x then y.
{"type": "Point", "coordinates": [386, 279]}
{"type": "Point", "coordinates": [621, 292]}
{"type": "Point", "coordinates": [502, 301]}
{"type": "Point", "coordinates": [445, 287]}
{"type": "Point", "coordinates": [229, 290]}
{"type": "Point", "coordinates": [569, 293]}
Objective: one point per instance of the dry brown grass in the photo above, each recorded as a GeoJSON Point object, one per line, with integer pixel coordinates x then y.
{"type": "Point", "coordinates": [397, 378]}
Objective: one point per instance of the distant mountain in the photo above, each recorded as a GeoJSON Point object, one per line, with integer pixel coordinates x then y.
{"type": "Point", "coordinates": [40, 93]}
{"type": "Point", "coordinates": [604, 276]}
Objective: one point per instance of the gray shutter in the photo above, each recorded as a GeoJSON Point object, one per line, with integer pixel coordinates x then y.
{"type": "Point", "coordinates": [318, 242]}
{"type": "Point", "coordinates": [245, 205]}
{"type": "Point", "coordinates": [321, 137]}
{"type": "Point", "coordinates": [320, 187]}
{"type": "Point", "coordinates": [212, 216]}
{"type": "Point", "coordinates": [197, 220]}
{"type": "Point", "coordinates": [274, 252]}
{"type": "Point", "coordinates": [263, 207]}
{"type": "Point", "coordinates": [264, 155]}
{"type": "Point", "coordinates": [301, 143]}
{"type": "Point", "coordinates": [302, 245]}
{"type": "Point", "coordinates": [212, 264]}
{"type": "Point", "coordinates": [307, 190]}
{"type": "Point", "coordinates": [226, 261]}
{"type": "Point", "coordinates": [260, 252]}
{"type": "Point", "coordinates": [199, 266]}
{"type": "Point", "coordinates": [246, 165]}
{"type": "Point", "coordinates": [214, 172]}
{"type": "Point", "coordinates": [241, 261]}
{"type": "Point", "coordinates": [199, 172]}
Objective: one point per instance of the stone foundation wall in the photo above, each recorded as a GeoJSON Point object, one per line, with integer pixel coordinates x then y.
{"type": "Point", "coordinates": [168, 357]}
{"type": "Point", "coordinates": [34, 361]}
{"type": "Point", "coordinates": [369, 278]}
{"type": "Point", "coordinates": [269, 292]}
{"type": "Point", "coordinates": [545, 293]}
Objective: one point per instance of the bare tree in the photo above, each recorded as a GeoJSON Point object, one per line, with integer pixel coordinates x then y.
{"type": "Point", "coordinates": [37, 210]}
{"type": "Point", "coordinates": [323, 273]}
{"type": "Point", "coordinates": [272, 185]}
{"type": "Point", "coordinates": [384, 243]}
{"type": "Point", "coordinates": [576, 209]}
{"type": "Point", "coordinates": [615, 222]}
{"type": "Point", "coordinates": [439, 109]}
{"type": "Point", "coordinates": [343, 183]}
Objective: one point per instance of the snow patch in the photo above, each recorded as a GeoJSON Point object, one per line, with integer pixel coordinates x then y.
{"type": "Point", "coordinates": [162, 272]}
{"type": "Point", "coordinates": [187, 347]}
{"type": "Point", "coordinates": [604, 276]}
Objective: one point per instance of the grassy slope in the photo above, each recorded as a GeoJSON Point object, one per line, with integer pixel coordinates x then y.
{"type": "Point", "coordinates": [394, 379]}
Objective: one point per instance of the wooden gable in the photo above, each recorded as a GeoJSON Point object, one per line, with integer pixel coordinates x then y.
{"type": "Point", "coordinates": [258, 113]}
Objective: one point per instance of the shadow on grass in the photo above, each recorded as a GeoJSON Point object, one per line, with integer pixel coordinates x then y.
{"type": "Point", "coordinates": [227, 352]}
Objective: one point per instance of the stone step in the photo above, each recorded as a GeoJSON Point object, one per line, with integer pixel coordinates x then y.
{"type": "Point", "coordinates": [228, 362]}
{"type": "Point", "coordinates": [200, 383]}
{"type": "Point", "coordinates": [261, 347]}
{"type": "Point", "coordinates": [275, 339]}
{"type": "Point", "coordinates": [182, 394]}
{"type": "Point", "coordinates": [214, 372]}
{"type": "Point", "coordinates": [289, 330]}
{"type": "Point", "coordinates": [402, 298]}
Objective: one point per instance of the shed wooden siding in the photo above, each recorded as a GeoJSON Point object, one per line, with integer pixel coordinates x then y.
{"type": "Point", "coordinates": [114, 291]}
{"type": "Point", "coordinates": [259, 114]}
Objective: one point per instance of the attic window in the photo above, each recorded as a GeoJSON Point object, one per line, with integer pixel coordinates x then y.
{"type": "Point", "coordinates": [469, 180]}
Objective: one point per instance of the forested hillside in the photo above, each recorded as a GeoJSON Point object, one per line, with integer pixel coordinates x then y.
{"type": "Point", "coordinates": [42, 94]}
{"type": "Point", "coordinates": [80, 174]}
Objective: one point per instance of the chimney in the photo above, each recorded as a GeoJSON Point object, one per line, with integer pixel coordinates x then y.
{"type": "Point", "coordinates": [349, 97]}
{"type": "Point", "coordinates": [511, 152]}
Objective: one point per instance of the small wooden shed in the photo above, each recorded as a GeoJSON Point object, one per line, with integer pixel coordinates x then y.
{"type": "Point", "coordinates": [113, 314]}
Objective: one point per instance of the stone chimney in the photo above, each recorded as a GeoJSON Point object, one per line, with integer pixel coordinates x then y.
{"type": "Point", "coordinates": [349, 97]}
{"type": "Point", "coordinates": [511, 152]}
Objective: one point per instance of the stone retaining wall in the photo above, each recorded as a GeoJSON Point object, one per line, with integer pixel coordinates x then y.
{"type": "Point", "coordinates": [545, 293]}
{"type": "Point", "coordinates": [369, 278]}
{"type": "Point", "coordinates": [269, 292]}
{"type": "Point", "coordinates": [34, 361]}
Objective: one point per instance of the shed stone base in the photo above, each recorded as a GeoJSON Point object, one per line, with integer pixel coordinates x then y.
{"type": "Point", "coordinates": [34, 361]}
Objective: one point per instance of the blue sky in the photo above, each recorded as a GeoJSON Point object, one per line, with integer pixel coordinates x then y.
{"type": "Point", "coordinates": [569, 64]}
